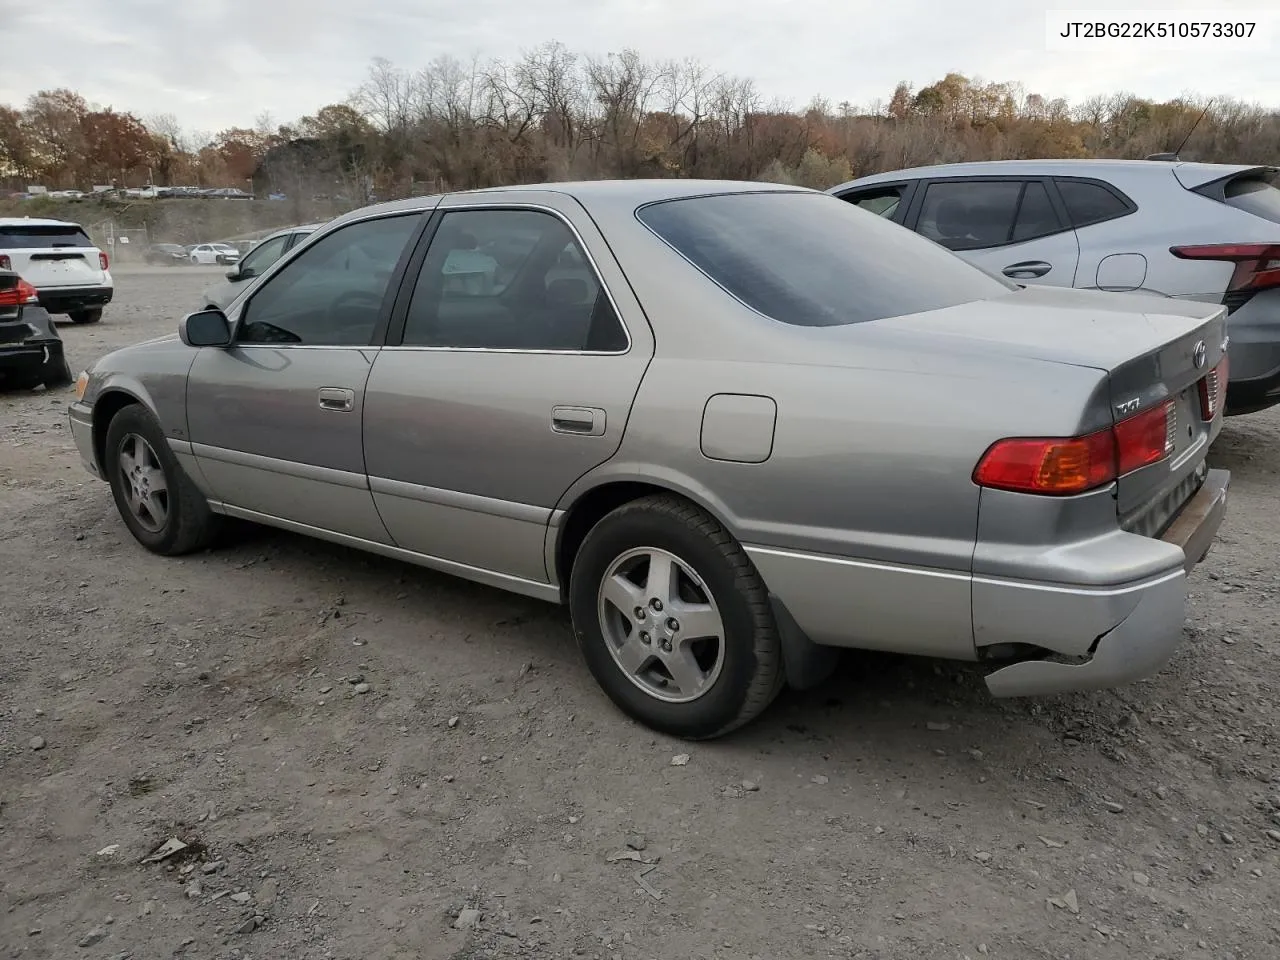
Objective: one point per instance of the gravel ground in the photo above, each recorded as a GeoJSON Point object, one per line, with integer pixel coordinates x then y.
{"type": "Point", "coordinates": [368, 760]}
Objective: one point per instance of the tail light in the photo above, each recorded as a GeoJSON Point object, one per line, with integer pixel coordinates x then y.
{"type": "Point", "coordinates": [1213, 389]}
{"type": "Point", "coordinates": [1257, 264]}
{"type": "Point", "coordinates": [16, 296]}
{"type": "Point", "coordinates": [5, 262]}
{"type": "Point", "coordinates": [1062, 466]}
{"type": "Point", "coordinates": [102, 260]}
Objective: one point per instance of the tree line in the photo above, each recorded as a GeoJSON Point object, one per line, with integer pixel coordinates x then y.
{"type": "Point", "coordinates": [553, 114]}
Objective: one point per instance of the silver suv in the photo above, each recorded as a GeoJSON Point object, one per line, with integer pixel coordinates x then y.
{"type": "Point", "coordinates": [1196, 231]}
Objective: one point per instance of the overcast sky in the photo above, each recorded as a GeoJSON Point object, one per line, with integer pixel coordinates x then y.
{"type": "Point", "coordinates": [220, 63]}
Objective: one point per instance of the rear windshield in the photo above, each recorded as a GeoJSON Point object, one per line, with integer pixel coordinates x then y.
{"type": "Point", "coordinates": [815, 261]}
{"type": "Point", "coordinates": [1256, 195]}
{"type": "Point", "coordinates": [17, 237]}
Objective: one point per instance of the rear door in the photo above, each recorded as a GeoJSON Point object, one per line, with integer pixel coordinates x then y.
{"type": "Point", "coordinates": [510, 368]}
{"type": "Point", "coordinates": [49, 256]}
{"type": "Point", "coordinates": [1006, 225]}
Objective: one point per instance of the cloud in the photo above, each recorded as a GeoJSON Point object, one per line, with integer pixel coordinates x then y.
{"type": "Point", "coordinates": [219, 65]}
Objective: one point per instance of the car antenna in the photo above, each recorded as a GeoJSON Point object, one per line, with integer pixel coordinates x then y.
{"type": "Point", "coordinates": [1174, 156]}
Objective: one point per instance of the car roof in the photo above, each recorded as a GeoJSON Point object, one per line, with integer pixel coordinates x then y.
{"type": "Point", "coordinates": [35, 222]}
{"type": "Point", "coordinates": [1197, 172]}
{"type": "Point", "coordinates": [632, 193]}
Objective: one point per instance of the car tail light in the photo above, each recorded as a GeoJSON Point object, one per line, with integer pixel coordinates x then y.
{"type": "Point", "coordinates": [1062, 466]}
{"type": "Point", "coordinates": [16, 296]}
{"type": "Point", "coordinates": [102, 260]}
{"type": "Point", "coordinates": [1257, 264]}
{"type": "Point", "coordinates": [1213, 389]}
{"type": "Point", "coordinates": [5, 262]}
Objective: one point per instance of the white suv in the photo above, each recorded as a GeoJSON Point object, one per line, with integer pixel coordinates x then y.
{"type": "Point", "coordinates": [57, 257]}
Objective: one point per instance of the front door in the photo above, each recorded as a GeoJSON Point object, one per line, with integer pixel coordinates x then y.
{"type": "Point", "coordinates": [275, 419]}
{"type": "Point", "coordinates": [1009, 227]}
{"type": "Point", "coordinates": [507, 375]}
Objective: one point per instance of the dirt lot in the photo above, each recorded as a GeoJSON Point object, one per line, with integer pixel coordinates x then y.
{"type": "Point", "coordinates": [358, 750]}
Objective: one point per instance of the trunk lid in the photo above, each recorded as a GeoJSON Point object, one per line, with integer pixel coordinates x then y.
{"type": "Point", "coordinates": [1153, 350]}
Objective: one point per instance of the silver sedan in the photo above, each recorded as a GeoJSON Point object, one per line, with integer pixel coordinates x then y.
{"type": "Point", "coordinates": [734, 427]}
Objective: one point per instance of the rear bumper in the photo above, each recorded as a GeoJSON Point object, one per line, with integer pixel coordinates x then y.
{"type": "Point", "coordinates": [80, 419]}
{"type": "Point", "coordinates": [67, 299]}
{"type": "Point", "coordinates": [1151, 614]}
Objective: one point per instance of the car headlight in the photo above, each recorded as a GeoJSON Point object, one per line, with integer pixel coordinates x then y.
{"type": "Point", "coordinates": [82, 382]}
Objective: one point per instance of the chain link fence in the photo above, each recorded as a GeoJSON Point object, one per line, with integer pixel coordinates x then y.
{"type": "Point", "coordinates": [122, 245]}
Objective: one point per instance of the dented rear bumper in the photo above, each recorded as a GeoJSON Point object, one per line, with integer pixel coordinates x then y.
{"type": "Point", "coordinates": [1151, 613]}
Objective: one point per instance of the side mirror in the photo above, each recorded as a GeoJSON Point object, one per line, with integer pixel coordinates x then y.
{"type": "Point", "coordinates": [235, 274]}
{"type": "Point", "coordinates": [205, 328]}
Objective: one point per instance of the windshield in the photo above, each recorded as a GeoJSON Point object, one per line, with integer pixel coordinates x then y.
{"type": "Point", "coordinates": [42, 236]}
{"type": "Point", "coordinates": [1256, 195]}
{"type": "Point", "coordinates": [813, 260]}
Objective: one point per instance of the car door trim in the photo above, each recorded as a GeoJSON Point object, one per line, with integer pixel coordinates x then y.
{"type": "Point", "coordinates": [505, 509]}
{"type": "Point", "coordinates": [394, 339]}
{"type": "Point", "coordinates": [549, 592]}
{"type": "Point", "coordinates": [288, 468]}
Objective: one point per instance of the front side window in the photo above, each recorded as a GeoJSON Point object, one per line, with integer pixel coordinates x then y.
{"type": "Point", "coordinates": [510, 279]}
{"type": "Point", "coordinates": [883, 203]}
{"type": "Point", "coordinates": [813, 260]}
{"type": "Point", "coordinates": [262, 256]}
{"type": "Point", "coordinates": [969, 215]}
{"type": "Point", "coordinates": [332, 293]}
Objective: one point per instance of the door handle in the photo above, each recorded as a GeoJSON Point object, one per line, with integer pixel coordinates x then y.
{"type": "Point", "coordinates": [583, 421]}
{"type": "Point", "coordinates": [1027, 270]}
{"type": "Point", "coordinates": [338, 399]}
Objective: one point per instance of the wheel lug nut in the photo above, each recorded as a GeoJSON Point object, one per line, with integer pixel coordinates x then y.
{"type": "Point", "coordinates": [639, 613]}
{"type": "Point", "coordinates": [666, 646]}
{"type": "Point", "coordinates": [655, 603]}
{"type": "Point", "coordinates": [644, 637]}
{"type": "Point", "coordinates": [673, 624]}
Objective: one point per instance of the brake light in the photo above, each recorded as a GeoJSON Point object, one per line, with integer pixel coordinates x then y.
{"type": "Point", "coordinates": [1257, 264]}
{"type": "Point", "coordinates": [16, 296]}
{"type": "Point", "coordinates": [1062, 466]}
{"type": "Point", "coordinates": [102, 260]}
{"type": "Point", "coordinates": [1213, 389]}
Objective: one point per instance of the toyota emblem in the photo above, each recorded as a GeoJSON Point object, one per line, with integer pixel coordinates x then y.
{"type": "Point", "coordinates": [1200, 355]}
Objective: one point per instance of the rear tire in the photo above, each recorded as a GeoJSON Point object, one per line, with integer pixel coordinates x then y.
{"type": "Point", "coordinates": [86, 316]}
{"type": "Point", "coordinates": [174, 517]}
{"type": "Point", "coordinates": [656, 668]}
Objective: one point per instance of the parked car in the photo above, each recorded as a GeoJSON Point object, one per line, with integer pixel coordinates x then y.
{"type": "Point", "coordinates": [30, 348]}
{"type": "Point", "coordinates": [226, 193]}
{"type": "Point", "coordinates": [734, 426]}
{"type": "Point", "coordinates": [1198, 231]}
{"type": "Point", "coordinates": [70, 274]}
{"type": "Point", "coordinates": [253, 263]}
{"type": "Point", "coordinates": [167, 254]}
{"type": "Point", "coordinates": [213, 253]}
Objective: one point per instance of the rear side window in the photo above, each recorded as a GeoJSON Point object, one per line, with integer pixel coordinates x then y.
{"type": "Point", "coordinates": [813, 260]}
{"type": "Point", "coordinates": [41, 237]}
{"type": "Point", "coordinates": [1089, 203]}
{"type": "Point", "coordinates": [1255, 195]}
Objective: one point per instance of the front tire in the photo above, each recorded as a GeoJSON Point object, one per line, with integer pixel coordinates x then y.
{"type": "Point", "coordinates": [86, 316]}
{"type": "Point", "coordinates": [159, 504]}
{"type": "Point", "coordinates": [673, 619]}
